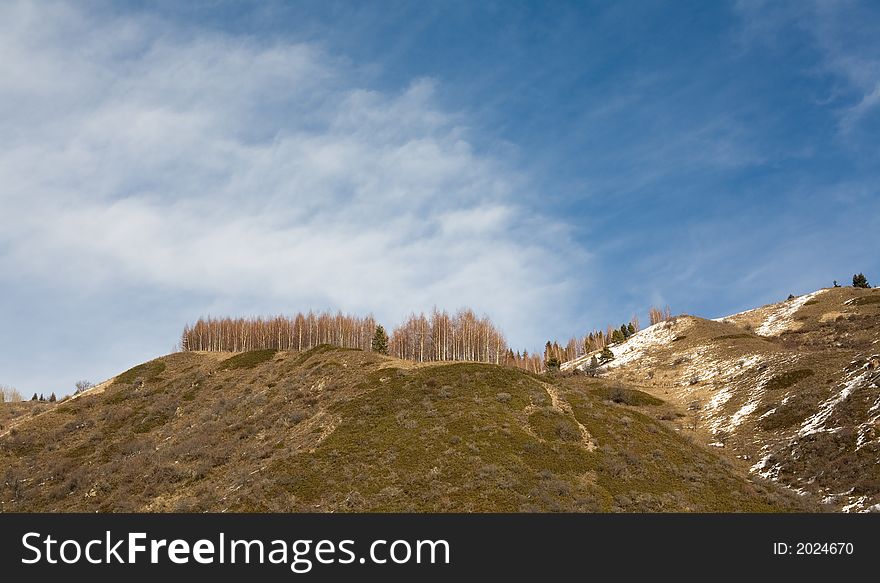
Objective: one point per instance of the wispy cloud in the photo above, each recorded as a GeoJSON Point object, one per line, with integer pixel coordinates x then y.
{"type": "Point", "coordinates": [268, 175]}
{"type": "Point", "coordinates": [843, 33]}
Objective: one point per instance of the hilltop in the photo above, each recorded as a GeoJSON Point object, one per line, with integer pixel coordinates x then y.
{"type": "Point", "coordinates": [333, 429]}
{"type": "Point", "coordinates": [790, 388]}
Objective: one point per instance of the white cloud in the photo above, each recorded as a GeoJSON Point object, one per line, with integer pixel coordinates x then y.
{"type": "Point", "coordinates": [135, 154]}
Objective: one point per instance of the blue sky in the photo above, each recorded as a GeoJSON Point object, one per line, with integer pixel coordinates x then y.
{"type": "Point", "coordinates": [557, 166]}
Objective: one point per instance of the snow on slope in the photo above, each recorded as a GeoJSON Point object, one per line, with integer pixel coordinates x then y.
{"type": "Point", "coordinates": [635, 348]}
{"type": "Point", "coordinates": [780, 319]}
{"type": "Point", "coordinates": [774, 319]}
{"type": "Point", "coordinates": [816, 423]}
{"type": "Point", "coordinates": [632, 349]}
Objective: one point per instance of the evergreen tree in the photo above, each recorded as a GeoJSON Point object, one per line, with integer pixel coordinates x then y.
{"type": "Point", "coordinates": [593, 368]}
{"type": "Point", "coordinates": [552, 364]}
{"type": "Point", "coordinates": [616, 337]}
{"type": "Point", "coordinates": [42, 398]}
{"type": "Point", "coordinates": [52, 398]}
{"type": "Point", "coordinates": [836, 284]}
{"type": "Point", "coordinates": [34, 398]}
{"type": "Point", "coordinates": [859, 280]}
{"type": "Point", "coordinates": [624, 331]}
{"type": "Point", "coordinates": [606, 354]}
{"type": "Point", "coordinates": [380, 341]}
{"type": "Point", "coordinates": [631, 329]}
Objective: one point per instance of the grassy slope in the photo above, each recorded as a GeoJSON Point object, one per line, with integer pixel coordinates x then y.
{"type": "Point", "coordinates": [343, 430]}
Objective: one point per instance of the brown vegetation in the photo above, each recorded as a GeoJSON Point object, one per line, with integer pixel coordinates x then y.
{"type": "Point", "coordinates": [336, 430]}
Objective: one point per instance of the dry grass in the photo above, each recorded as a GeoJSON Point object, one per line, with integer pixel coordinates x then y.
{"type": "Point", "coordinates": [343, 430]}
{"type": "Point", "coordinates": [760, 391]}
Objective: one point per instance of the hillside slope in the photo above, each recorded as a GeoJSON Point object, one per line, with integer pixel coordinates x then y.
{"type": "Point", "coordinates": [344, 430]}
{"type": "Point", "coordinates": [791, 388]}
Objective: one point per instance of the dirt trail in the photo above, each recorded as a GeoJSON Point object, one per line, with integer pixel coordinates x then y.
{"type": "Point", "coordinates": [563, 405]}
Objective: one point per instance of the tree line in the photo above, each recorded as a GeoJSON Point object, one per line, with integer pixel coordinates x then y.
{"type": "Point", "coordinates": [298, 332]}
{"type": "Point", "coordinates": [438, 336]}
{"type": "Point", "coordinates": [433, 337]}
{"type": "Point", "coordinates": [13, 395]}
{"type": "Point", "coordinates": [463, 336]}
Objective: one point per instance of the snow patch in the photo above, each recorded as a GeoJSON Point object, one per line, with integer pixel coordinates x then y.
{"type": "Point", "coordinates": [632, 349]}
{"type": "Point", "coordinates": [816, 423]}
{"type": "Point", "coordinates": [764, 470]}
{"type": "Point", "coordinates": [744, 412]}
{"type": "Point", "coordinates": [768, 413]}
{"type": "Point", "coordinates": [859, 502]}
{"type": "Point", "coordinates": [636, 347]}
{"type": "Point", "coordinates": [780, 319]}
{"type": "Point", "coordinates": [721, 397]}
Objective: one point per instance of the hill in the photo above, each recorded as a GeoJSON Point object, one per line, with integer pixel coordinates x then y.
{"type": "Point", "coordinates": [336, 429]}
{"type": "Point", "coordinates": [789, 388]}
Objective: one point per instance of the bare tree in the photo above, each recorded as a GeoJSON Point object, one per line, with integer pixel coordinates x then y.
{"type": "Point", "coordinates": [635, 322]}
{"type": "Point", "coordinates": [656, 315]}
{"type": "Point", "coordinates": [9, 394]}
{"type": "Point", "coordinates": [82, 386]}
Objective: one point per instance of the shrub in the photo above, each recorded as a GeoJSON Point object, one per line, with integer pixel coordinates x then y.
{"type": "Point", "coordinates": [787, 379]}
{"type": "Point", "coordinates": [624, 396]}
{"type": "Point", "coordinates": [248, 359]}
{"type": "Point", "coordinates": [299, 416]}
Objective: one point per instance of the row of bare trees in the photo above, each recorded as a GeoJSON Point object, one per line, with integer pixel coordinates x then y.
{"type": "Point", "coordinates": [441, 336]}
{"type": "Point", "coordinates": [299, 332]}
{"type": "Point", "coordinates": [657, 315]}
{"type": "Point", "coordinates": [438, 336]}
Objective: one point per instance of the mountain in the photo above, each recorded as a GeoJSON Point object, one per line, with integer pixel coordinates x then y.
{"type": "Point", "coordinates": [792, 389]}
{"type": "Point", "coordinates": [334, 429]}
